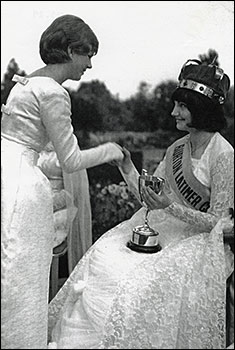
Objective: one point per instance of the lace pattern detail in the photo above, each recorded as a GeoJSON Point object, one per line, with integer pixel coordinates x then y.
{"type": "Point", "coordinates": [222, 195]}
{"type": "Point", "coordinates": [181, 307]}
{"type": "Point", "coordinates": [58, 304]}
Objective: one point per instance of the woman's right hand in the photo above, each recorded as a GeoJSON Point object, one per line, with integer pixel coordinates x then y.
{"type": "Point", "coordinates": [126, 163]}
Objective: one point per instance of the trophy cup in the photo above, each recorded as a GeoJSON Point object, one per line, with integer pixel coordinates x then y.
{"type": "Point", "coordinates": [144, 238]}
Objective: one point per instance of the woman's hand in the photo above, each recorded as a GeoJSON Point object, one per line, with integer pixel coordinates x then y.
{"type": "Point", "coordinates": [126, 163]}
{"type": "Point", "coordinates": [154, 200]}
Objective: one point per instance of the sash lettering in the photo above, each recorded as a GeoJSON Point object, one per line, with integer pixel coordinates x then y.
{"type": "Point", "coordinates": [182, 179]}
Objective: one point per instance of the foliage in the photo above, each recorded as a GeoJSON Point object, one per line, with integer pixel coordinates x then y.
{"type": "Point", "coordinates": [87, 106]}
{"type": "Point", "coordinates": [7, 83]}
{"type": "Point", "coordinates": [94, 108]}
{"type": "Point", "coordinates": [162, 105]}
{"type": "Point", "coordinates": [140, 107]}
{"type": "Point", "coordinates": [110, 205]}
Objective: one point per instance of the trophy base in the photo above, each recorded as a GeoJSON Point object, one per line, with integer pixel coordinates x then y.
{"type": "Point", "coordinates": [143, 249]}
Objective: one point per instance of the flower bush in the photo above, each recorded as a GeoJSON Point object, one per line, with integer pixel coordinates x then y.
{"type": "Point", "coordinates": [110, 205]}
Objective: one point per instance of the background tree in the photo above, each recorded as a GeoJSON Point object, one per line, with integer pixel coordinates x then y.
{"type": "Point", "coordinates": [141, 108]}
{"type": "Point", "coordinates": [95, 108]}
{"type": "Point", "coordinates": [163, 106]}
{"type": "Point", "coordinates": [87, 109]}
{"type": "Point", "coordinates": [7, 83]}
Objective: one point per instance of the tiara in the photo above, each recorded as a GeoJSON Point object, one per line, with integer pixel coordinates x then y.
{"type": "Point", "coordinates": [201, 88]}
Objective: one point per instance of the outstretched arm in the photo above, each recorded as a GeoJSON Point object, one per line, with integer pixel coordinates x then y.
{"type": "Point", "coordinates": [129, 173]}
{"type": "Point", "coordinates": [55, 112]}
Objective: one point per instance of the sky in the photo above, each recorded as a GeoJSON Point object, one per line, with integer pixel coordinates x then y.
{"type": "Point", "coordinates": [138, 40]}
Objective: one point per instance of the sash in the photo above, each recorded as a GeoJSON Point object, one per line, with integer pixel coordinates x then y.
{"type": "Point", "coordinates": [181, 177]}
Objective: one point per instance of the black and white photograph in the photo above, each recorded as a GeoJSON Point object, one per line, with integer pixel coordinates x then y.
{"type": "Point", "coordinates": [117, 175]}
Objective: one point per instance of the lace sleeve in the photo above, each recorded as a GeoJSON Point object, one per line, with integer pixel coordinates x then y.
{"type": "Point", "coordinates": [160, 170]}
{"type": "Point", "coordinates": [60, 131]}
{"type": "Point", "coordinates": [222, 196]}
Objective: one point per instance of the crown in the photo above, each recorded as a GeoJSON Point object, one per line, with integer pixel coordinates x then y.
{"type": "Point", "coordinates": [208, 80]}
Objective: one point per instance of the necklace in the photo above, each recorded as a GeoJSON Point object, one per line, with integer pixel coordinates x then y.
{"type": "Point", "coordinates": [193, 150]}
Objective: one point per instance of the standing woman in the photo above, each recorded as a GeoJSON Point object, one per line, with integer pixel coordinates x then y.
{"type": "Point", "coordinates": [37, 111]}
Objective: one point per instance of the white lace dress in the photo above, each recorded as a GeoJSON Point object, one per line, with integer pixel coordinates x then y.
{"type": "Point", "coordinates": [38, 109]}
{"type": "Point", "coordinates": [116, 298]}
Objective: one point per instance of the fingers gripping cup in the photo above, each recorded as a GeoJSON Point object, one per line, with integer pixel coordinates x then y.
{"type": "Point", "coordinates": [156, 183]}
{"type": "Point", "coordinates": [144, 238]}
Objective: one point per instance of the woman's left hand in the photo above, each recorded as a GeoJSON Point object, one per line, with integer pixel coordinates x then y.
{"type": "Point", "coordinates": [154, 200]}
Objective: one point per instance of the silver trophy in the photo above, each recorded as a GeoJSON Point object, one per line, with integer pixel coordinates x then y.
{"type": "Point", "coordinates": [144, 238]}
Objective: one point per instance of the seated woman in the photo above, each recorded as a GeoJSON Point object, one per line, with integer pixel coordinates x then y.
{"type": "Point", "coordinates": [117, 298]}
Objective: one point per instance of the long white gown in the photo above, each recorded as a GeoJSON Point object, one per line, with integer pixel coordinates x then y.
{"type": "Point", "coordinates": [38, 109]}
{"type": "Point", "coordinates": [72, 208]}
{"type": "Point", "coordinates": [117, 298]}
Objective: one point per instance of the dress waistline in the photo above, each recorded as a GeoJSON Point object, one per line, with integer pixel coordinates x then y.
{"type": "Point", "coordinates": [11, 149]}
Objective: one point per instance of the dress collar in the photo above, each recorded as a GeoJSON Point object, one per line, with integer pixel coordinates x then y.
{"type": "Point", "coordinates": [20, 79]}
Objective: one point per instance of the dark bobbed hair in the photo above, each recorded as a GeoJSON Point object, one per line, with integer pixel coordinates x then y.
{"type": "Point", "coordinates": [65, 32]}
{"type": "Point", "coordinates": [207, 114]}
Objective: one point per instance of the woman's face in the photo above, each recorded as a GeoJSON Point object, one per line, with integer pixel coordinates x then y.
{"type": "Point", "coordinates": [182, 116]}
{"type": "Point", "coordinates": [78, 65]}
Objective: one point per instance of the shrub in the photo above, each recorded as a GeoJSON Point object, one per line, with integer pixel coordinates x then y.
{"type": "Point", "coordinates": [110, 205]}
